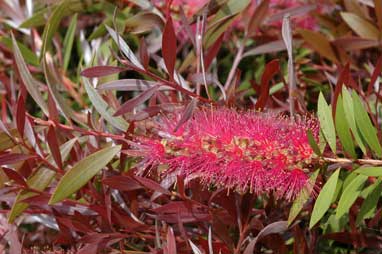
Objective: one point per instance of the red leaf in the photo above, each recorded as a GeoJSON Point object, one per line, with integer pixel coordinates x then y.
{"type": "Point", "coordinates": [100, 71]}
{"type": "Point", "coordinates": [374, 76]}
{"type": "Point", "coordinates": [20, 115]}
{"type": "Point", "coordinates": [343, 79]}
{"type": "Point", "coordinates": [143, 53]}
{"type": "Point", "coordinates": [213, 51]}
{"type": "Point", "coordinates": [12, 158]}
{"type": "Point", "coordinates": [54, 146]}
{"type": "Point", "coordinates": [169, 47]}
{"type": "Point", "coordinates": [15, 176]}
{"type": "Point", "coordinates": [122, 183]}
{"type": "Point", "coordinates": [52, 108]}
{"type": "Point", "coordinates": [270, 70]}
{"type": "Point", "coordinates": [187, 113]}
{"type": "Point", "coordinates": [131, 104]}
{"type": "Point", "coordinates": [152, 185]}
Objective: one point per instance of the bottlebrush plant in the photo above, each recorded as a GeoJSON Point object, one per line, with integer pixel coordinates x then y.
{"type": "Point", "coordinates": [179, 127]}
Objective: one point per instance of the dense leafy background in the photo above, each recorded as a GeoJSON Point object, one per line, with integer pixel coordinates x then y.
{"type": "Point", "coordinates": [78, 79]}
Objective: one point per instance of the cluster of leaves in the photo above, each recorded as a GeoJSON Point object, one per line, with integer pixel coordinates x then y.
{"type": "Point", "coordinates": [80, 79]}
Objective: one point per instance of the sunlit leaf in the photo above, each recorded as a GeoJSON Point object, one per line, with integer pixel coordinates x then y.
{"type": "Point", "coordinates": [365, 126]}
{"type": "Point", "coordinates": [361, 26]}
{"type": "Point", "coordinates": [350, 194]}
{"type": "Point", "coordinates": [301, 199]}
{"type": "Point", "coordinates": [326, 122]}
{"type": "Point", "coordinates": [343, 129]}
{"type": "Point", "coordinates": [350, 117]}
{"type": "Point", "coordinates": [38, 181]}
{"type": "Point", "coordinates": [103, 108]}
{"type": "Point", "coordinates": [324, 199]}
{"type": "Point", "coordinates": [369, 171]}
{"type": "Point", "coordinates": [82, 172]}
{"type": "Point", "coordinates": [124, 47]}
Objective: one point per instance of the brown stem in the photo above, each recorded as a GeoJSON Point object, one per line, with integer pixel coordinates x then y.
{"type": "Point", "coordinates": [349, 161]}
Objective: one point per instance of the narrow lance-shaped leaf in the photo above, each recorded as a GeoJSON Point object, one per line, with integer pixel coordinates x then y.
{"type": "Point", "coordinates": [131, 104]}
{"type": "Point", "coordinates": [20, 115]}
{"type": "Point", "coordinates": [258, 17]}
{"type": "Point", "coordinates": [326, 122]}
{"type": "Point", "coordinates": [360, 26]}
{"type": "Point", "coordinates": [68, 41]}
{"type": "Point", "coordinates": [350, 117]}
{"type": "Point", "coordinates": [319, 43]}
{"type": "Point", "coordinates": [103, 108]}
{"type": "Point", "coordinates": [369, 171]}
{"type": "Point", "coordinates": [313, 144]}
{"type": "Point", "coordinates": [100, 71]}
{"type": "Point", "coordinates": [55, 100]}
{"type": "Point", "coordinates": [53, 146]}
{"type": "Point", "coordinates": [52, 25]}
{"type": "Point", "coordinates": [301, 199]}
{"type": "Point", "coordinates": [343, 129]}
{"type": "Point", "coordinates": [131, 85]}
{"type": "Point", "coordinates": [324, 199]}
{"type": "Point", "coordinates": [124, 47]}
{"type": "Point", "coordinates": [365, 126]}
{"type": "Point", "coordinates": [82, 172]}
{"type": "Point", "coordinates": [169, 47]}
{"type": "Point", "coordinates": [30, 83]}
{"type": "Point", "coordinates": [38, 181]}
{"type": "Point", "coordinates": [29, 56]}
{"type": "Point", "coordinates": [350, 194]}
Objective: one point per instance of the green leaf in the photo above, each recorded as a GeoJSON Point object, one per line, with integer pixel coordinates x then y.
{"type": "Point", "coordinates": [326, 122]}
{"type": "Point", "coordinates": [350, 194]}
{"type": "Point", "coordinates": [343, 129]}
{"type": "Point", "coordinates": [350, 117]}
{"type": "Point", "coordinates": [324, 199]}
{"type": "Point", "coordinates": [369, 205]}
{"type": "Point", "coordinates": [30, 83]}
{"type": "Point", "coordinates": [68, 41]}
{"type": "Point", "coordinates": [52, 25]}
{"type": "Point", "coordinates": [312, 143]}
{"type": "Point", "coordinates": [103, 108]}
{"type": "Point", "coordinates": [124, 47]}
{"type": "Point", "coordinates": [301, 199]}
{"type": "Point", "coordinates": [366, 128]}
{"type": "Point", "coordinates": [369, 171]}
{"type": "Point", "coordinates": [361, 26]}
{"type": "Point", "coordinates": [82, 172]}
{"type": "Point", "coordinates": [27, 54]}
{"type": "Point", "coordinates": [38, 181]}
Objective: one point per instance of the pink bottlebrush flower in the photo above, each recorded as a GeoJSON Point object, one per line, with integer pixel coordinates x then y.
{"type": "Point", "coordinates": [244, 151]}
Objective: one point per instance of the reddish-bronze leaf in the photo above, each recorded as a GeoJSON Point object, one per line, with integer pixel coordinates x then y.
{"type": "Point", "coordinates": [374, 76]}
{"type": "Point", "coordinates": [100, 71]}
{"type": "Point", "coordinates": [169, 47]}
{"type": "Point", "coordinates": [15, 176]}
{"type": "Point", "coordinates": [271, 69]}
{"type": "Point", "coordinates": [20, 116]}
{"type": "Point", "coordinates": [54, 146]}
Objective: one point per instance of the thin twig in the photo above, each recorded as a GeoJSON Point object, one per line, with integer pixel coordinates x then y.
{"type": "Point", "coordinates": [349, 161]}
{"type": "Point", "coordinates": [235, 64]}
